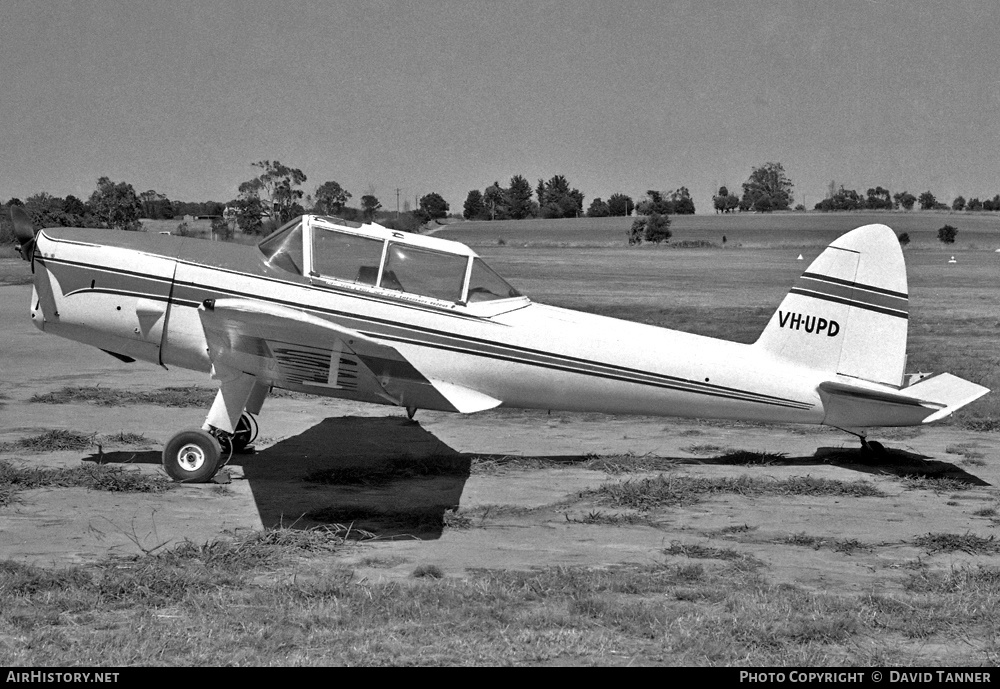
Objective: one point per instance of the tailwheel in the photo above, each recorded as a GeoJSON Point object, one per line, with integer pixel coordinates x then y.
{"type": "Point", "coordinates": [192, 456]}
{"type": "Point", "coordinates": [246, 433]}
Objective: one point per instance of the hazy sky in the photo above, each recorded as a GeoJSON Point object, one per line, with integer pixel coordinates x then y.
{"type": "Point", "coordinates": [434, 95]}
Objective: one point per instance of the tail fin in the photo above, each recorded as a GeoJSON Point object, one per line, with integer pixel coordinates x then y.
{"type": "Point", "coordinates": [848, 312]}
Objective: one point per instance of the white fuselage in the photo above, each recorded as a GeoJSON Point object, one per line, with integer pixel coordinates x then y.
{"type": "Point", "coordinates": [138, 296]}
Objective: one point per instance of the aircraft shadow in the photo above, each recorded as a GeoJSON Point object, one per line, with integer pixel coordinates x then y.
{"type": "Point", "coordinates": [383, 475]}
{"type": "Point", "coordinates": [895, 462]}
{"type": "Point", "coordinates": [390, 477]}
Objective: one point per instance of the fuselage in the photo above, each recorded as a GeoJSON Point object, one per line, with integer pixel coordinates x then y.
{"type": "Point", "coordinates": [137, 295]}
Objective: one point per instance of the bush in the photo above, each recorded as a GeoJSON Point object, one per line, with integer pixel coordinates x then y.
{"type": "Point", "coordinates": [947, 234]}
{"type": "Point", "coordinates": [654, 228]}
{"type": "Point", "coordinates": [904, 239]}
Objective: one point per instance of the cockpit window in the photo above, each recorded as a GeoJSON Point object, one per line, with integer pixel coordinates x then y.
{"type": "Point", "coordinates": [283, 247]}
{"type": "Point", "coordinates": [424, 272]}
{"type": "Point", "coordinates": [346, 256]}
{"type": "Point", "coordinates": [485, 285]}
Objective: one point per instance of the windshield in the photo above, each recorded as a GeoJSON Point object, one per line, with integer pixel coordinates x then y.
{"type": "Point", "coordinates": [283, 247]}
{"type": "Point", "coordinates": [485, 285]}
{"type": "Point", "coordinates": [424, 272]}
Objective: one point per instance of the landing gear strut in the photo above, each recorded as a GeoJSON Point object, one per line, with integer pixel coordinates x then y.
{"type": "Point", "coordinates": [194, 456]}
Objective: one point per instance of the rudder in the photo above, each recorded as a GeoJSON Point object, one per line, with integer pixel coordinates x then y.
{"type": "Point", "coordinates": [848, 312]}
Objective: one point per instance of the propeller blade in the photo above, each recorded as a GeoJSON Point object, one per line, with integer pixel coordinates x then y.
{"type": "Point", "coordinates": [24, 230]}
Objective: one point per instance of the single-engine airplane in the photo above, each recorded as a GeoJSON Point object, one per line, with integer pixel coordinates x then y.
{"type": "Point", "coordinates": [359, 311]}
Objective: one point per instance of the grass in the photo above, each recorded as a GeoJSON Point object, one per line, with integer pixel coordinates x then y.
{"type": "Point", "coordinates": [271, 598]}
{"type": "Point", "coordinates": [111, 397]}
{"type": "Point", "coordinates": [667, 490]}
{"type": "Point", "coordinates": [966, 543]}
{"type": "Point", "coordinates": [113, 478]}
{"type": "Point", "coordinates": [59, 440]}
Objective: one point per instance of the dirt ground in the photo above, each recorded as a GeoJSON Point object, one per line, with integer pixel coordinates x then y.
{"type": "Point", "coordinates": [510, 514]}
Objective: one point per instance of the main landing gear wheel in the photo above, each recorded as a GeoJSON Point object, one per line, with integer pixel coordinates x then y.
{"type": "Point", "coordinates": [192, 456]}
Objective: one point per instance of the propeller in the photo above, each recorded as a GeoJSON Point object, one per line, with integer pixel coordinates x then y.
{"type": "Point", "coordinates": [24, 231]}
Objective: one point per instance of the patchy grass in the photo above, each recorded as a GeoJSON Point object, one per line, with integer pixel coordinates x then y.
{"type": "Point", "coordinates": [703, 552]}
{"type": "Point", "coordinates": [273, 598]}
{"type": "Point", "coordinates": [966, 543]}
{"type": "Point", "coordinates": [848, 546]}
{"type": "Point", "coordinates": [107, 477]}
{"type": "Point", "coordinates": [66, 440]}
{"type": "Point", "coordinates": [616, 519]}
{"type": "Point", "coordinates": [751, 458]}
{"type": "Point", "coordinates": [675, 491]}
{"type": "Point", "coordinates": [111, 397]}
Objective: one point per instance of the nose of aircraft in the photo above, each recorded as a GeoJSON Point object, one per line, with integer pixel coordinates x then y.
{"type": "Point", "coordinates": [24, 231]}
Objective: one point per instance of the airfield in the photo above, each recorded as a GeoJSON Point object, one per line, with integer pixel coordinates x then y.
{"type": "Point", "coordinates": [533, 491]}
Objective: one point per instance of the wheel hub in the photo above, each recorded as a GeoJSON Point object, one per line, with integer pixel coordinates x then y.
{"type": "Point", "coordinates": [191, 457]}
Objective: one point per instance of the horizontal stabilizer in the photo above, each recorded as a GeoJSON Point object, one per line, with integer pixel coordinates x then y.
{"type": "Point", "coordinates": [852, 406]}
{"type": "Point", "coordinates": [951, 392]}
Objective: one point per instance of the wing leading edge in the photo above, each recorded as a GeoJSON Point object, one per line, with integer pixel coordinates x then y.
{"type": "Point", "coordinates": [290, 348]}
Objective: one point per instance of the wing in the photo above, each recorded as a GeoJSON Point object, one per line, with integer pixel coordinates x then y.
{"type": "Point", "coordinates": [289, 348]}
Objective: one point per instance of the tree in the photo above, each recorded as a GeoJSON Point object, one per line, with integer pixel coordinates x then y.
{"type": "Point", "coordinates": [331, 198]}
{"type": "Point", "coordinates": [276, 190]}
{"type": "Point", "coordinates": [369, 204]}
{"type": "Point", "coordinates": [116, 205]}
{"type": "Point", "coordinates": [958, 204]}
{"type": "Point", "coordinates": [974, 204]}
{"type": "Point", "coordinates": [724, 202]}
{"type": "Point", "coordinates": [927, 201]}
{"type": "Point", "coordinates": [905, 200]}
{"type": "Point", "coordinates": [598, 209]}
{"type": "Point", "coordinates": [654, 202]}
{"type": "Point", "coordinates": [519, 198]}
{"type": "Point", "coordinates": [682, 202]}
{"type": "Point", "coordinates": [495, 201]}
{"type": "Point", "coordinates": [878, 197]}
{"type": "Point", "coordinates": [768, 188]}
{"type": "Point", "coordinates": [434, 206]}
{"type": "Point", "coordinates": [620, 205]}
{"type": "Point", "coordinates": [843, 200]}
{"type": "Point", "coordinates": [475, 207]}
{"type": "Point", "coordinates": [947, 234]}
{"type": "Point", "coordinates": [558, 200]}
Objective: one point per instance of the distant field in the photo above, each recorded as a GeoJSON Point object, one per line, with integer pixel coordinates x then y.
{"type": "Point", "coordinates": [975, 230]}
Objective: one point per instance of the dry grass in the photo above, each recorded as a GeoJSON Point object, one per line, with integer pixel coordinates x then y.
{"type": "Point", "coordinates": [666, 490]}
{"type": "Point", "coordinates": [111, 397]}
{"type": "Point", "coordinates": [114, 478]}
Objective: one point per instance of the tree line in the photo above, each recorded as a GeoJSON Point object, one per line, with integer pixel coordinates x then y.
{"type": "Point", "coordinates": [276, 195]}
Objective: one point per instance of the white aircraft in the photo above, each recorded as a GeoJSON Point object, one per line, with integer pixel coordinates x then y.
{"type": "Point", "coordinates": [336, 308]}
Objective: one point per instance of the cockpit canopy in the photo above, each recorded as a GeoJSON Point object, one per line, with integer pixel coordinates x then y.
{"type": "Point", "coordinates": [375, 258]}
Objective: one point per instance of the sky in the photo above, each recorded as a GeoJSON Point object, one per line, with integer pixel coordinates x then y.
{"type": "Point", "coordinates": [448, 96]}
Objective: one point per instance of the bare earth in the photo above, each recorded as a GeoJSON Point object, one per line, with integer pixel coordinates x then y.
{"type": "Point", "coordinates": [511, 514]}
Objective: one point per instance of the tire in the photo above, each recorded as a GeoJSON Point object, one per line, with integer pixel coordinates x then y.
{"type": "Point", "coordinates": [192, 456]}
